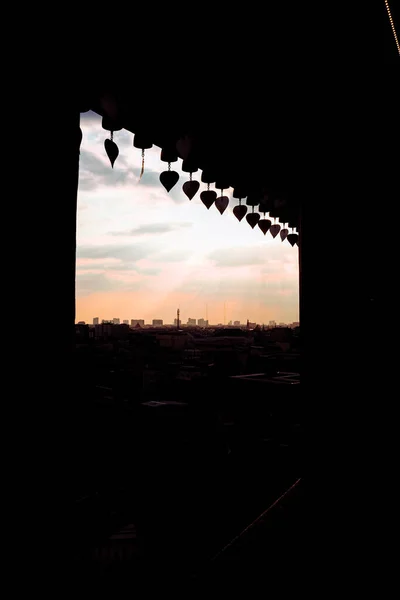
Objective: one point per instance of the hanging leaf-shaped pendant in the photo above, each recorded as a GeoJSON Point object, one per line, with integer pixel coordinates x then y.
{"type": "Point", "coordinates": [191, 188]}
{"type": "Point", "coordinates": [264, 225]}
{"type": "Point", "coordinates": [252, 219]}
{"type": "Point", "coordinates": [169, 179]}
{"type": "Point", "coordinates": [112, 150]}
{"type": "Point", "coordinates": [284, 233]}
{"type": "Point", "coordinates": [239, 211]}
{"type": "Point", "coordinates": [292, 238]}
{"type": "Point", "coordinates": [274, 230]}
{"type": "Point", "coordinates": [221, 203]}
{"type": "Point", "coordinates": [208, 197]}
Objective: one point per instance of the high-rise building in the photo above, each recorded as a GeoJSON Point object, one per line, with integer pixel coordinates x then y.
{"type": "Point", "coordinates": [191, 321]}
{"type": "Point", "coordinates": [236, 323]}
{"type": "Point", "coordinates": [126, 321]}
{"type": "Point", "coordinates": [157, 322]}
{"type": "Point", "coordinates": [115, 321]}
{"type": "Point", "coordinates": [272, 324]}
{"type": "Point", "coordinates": [202, 322]}
{"type": "Point", "coordinates": [95, 320]}
{"type": "Point", "coordinates": [135, 322]}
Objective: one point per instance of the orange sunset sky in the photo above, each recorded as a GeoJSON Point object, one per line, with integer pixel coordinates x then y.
{"type": "Point", "coordinates": [142, 253]}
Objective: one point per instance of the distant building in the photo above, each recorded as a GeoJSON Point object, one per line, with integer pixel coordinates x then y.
{"type": "Point", "coordinates": [157, 322]}
{"type": "Point", "coordinates": [236, 323]}
{"type": "Point", "coordinates": [282, 324]}
{"type": "Point", "coordinates": [103, 331]}
{"type": "Point", "coordinates": [272, 324]}
{"type": "Point", "coordinates": [230, 324]}
{"type": "Point", "coordinates": [126, 321]}
{"type": "Point", "coordinates": [295, 324]}
{"type": "Point", "coordinates": [251, 325]}
{"type": "Point", "coordinates": [135, 322]}
{"type": "Point", "coordinates": [115, 321]}
{"type": "Point", "coordinates": [81, 333]}
{"type": "Point", "coordinates": [175, 340]}
{"type": "Point", "coordinates": [191, 322]}
{"type": "Point", "coordinates": [202, 322]}
{"type": "Point", "coordinates": [95, 320]}
{"type": "Point", "coordinates": [108, 331]}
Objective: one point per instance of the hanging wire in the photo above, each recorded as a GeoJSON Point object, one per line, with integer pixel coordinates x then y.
{"type": "Point", "coordinates": [392, 25]}
{"type": "Point", "coordinates": [142, 171]}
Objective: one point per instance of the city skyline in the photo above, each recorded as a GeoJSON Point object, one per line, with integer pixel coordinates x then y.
{"type": "Point", "coordinates": [189, 321]}
{"type": "Point", "coordinates": [143, 252]}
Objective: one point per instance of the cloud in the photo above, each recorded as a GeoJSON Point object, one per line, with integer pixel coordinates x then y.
{"type": "Point", "coordinates": [150, 178]}
{"type": "Point", "coordinates": [123, 138]}
{"type": "Point", "coordinates": [171, 256]}
{"type": "Point", "coordinates": [152, 228]}
{"type": "Point", "coordinates": [95, 172]}
{"type": "Point", "coordinates": [122, 259]}
{"type": "Point", "coordinates": [127, 267]}
{"type": "Point", "coordinates": [177, 194]}
{"type": "Point", "coordinates": [125, 257]}
{"type": "Point", "coordinates": [124, 253]}
{"type": "Point", "coordinates": [91, 162]}
{"type": "Point", "coordinates": [270, 256]}
{"type": "Point", "coordinates": [237, 257]}
{"type": "Point", "coordinates": [246, 291]}
{"type": "Point", "coordinates": [88, 283]}
{"type": "Point", "coordinates": [150, 271]}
